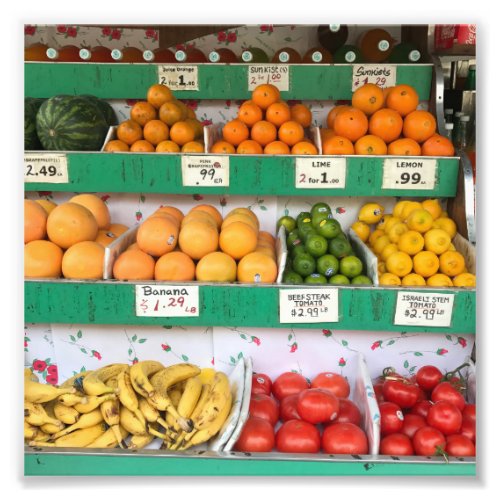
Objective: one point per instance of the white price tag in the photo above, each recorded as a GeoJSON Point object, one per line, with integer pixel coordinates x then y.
{"type": "Point", "coordinates": [166, 301]}
{"type": "Point", "coordinates": [424, 309]}
{"type": "Point", "coordinates": [383, 75]}
{"type": "Point", "coordinates": [400, 173]}
{"type": "Point", "coordinates": [205, 171]}
{"type": "Point", "coordinates": [178, 76]}
{"type": "Point", "coordinates": [277, 74]}
{"type": "Point", "coordinates": [320, 173]}
{"type": "Point", "coordinates": [42, 167]}
{"type": "Point", "coordinates": [309, 305]}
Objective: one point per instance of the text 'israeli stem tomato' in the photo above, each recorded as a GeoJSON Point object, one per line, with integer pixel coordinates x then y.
{"type": "Point", "coordinates": [317, 406]}
{"type": "Point", "coordinates": [289, 383]}
{"type": "Point", "coordinates": [257, 435]}
{"type": "Point", "coordinates": [297, 436]}
{"type": "Point", "coordinates": [261, 384]}
{"type": "Point", "coordinates": [344, 439]}
{"type": "Point", "coordinates": [265, 407]}
{"type": "Point", "coordinates": [333, 382]}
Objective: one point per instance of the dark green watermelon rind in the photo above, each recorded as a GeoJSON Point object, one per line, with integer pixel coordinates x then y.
{"type": "Point", "coordinates": [31, 107]}
{"type": "Point", "coordinates": [106, 109]}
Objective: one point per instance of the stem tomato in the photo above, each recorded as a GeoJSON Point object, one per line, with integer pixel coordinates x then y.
{"type": "Point", "coordinates": [469, 429]}
{"type": "Point", "coordinates": [289, 383]}
{"type": "Point", "coordinates": [391, 418]}
{"type": "Point", "coordinates": [428, 377]}
{"type": "Point", "coordinates": [317, 406]}
{"type": "Point", "coordinates": [445, 417]}
{"type": "Point", "coordinates": [257, 435]}
{"type": "Point", "coordinates": [412, 424]}
{"type": "Point", "coordinates": [297, 436]}
{"type": "Point", "coordinates": [401, 392]}
{"type": "Point", "coordinates": [261, 384]}
{"type": "Point", "coordinates": [458, 445]}
{"type": "Point", "coordinates": [421, 408]}
{"type": "Point", "coordinates": [333, 382]}
{"type": "Point", "coordinates": [469, 412]}
{"type": "Point", "coordinates": [428, 441]}
{"type": "Point", "coordinates": [445, 391]}
{"type": "Point", "coordinates": [344, 439]}
{"type": "Point", "coordinates": [264, 406]}
{"type": "Point", "coordinates": [396, 444]}
{"type": "Point", "coordinates": [288, 408]}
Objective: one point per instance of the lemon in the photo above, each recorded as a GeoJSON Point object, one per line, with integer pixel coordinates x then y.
{"type": "Point", "coordinates": [362, 229]}
{"type": "Point", "coordinates": [398, 208]}
{"type": "Point", "coordinates": [411, 242]}
{"type": "Point", "coordinates": [464, 279]}
{"type": "Point", "coordinates": [451, 263]}
{"type": "Point", "coordinates": [381, 268]}
{"type": "Point", "coordinates": [396, 231]}
{"type": "Point", "coordinates": [433, 207]}
{"type": "Point", "coordinates": [374, 236]}
{"type": "Point", "coordinates": [389, 279]}
{"type": "Point", "coordinates": [380, 244]}
{"type": "Point", "coordinates": [447, 225]}
{"type": "Point", "coordinates": [409, 207]}
{"type": "Point", "coordinates": [383, 221]}
{"type": "Point", "coordinates": [391, 222]}
{"type": "Point", "coordinates": [388, 250]}
{"type": "Point", "coordinates": [371, 213]}
{"type": "Point", "coordinates": [425, 263]}
{"type": "Point", "coordinates": [420, 220]}
{"type": "Point", "coordinates": [399, 263]}
{"type": "Point", "coordinates": [413, 279]}
{"type": "Point", "coordinates": [437, 241]}
{"type": "Point", "coordinates": [439, 280]}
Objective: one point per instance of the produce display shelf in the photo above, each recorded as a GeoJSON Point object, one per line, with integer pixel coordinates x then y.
{"type": "Point", "coordinates": [77, 462]}
{"type": "Point", "coordinates": [248, 174]}
{"type": "Point", "coordinates": [214, 81]}
{"type": "Point", "coordinates": [233, 305]}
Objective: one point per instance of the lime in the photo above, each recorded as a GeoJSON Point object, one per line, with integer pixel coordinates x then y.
{"type": "Point", "coordinates": [304, 264]}
{"type": "Point", "coordinates": [292, 278]}
{"type": "Point", "coordinates": [315, 279]}
{"type": "Point", "coordinates": [302, 216]}
{"type": "Point", "coordinates": [362, 279]}
{"type": "Point", "coordinates": [320, 208]}
{"type": "Point", "coordinates": [317, 219]}
{"type": "Point", "coordinates": [327, 265]}
{"type": "Point", "coordinates": [293, 238]}
{"type": "Point", "coordinates": [339, 247]}
{"type": "Point", "coordinates": [288, 222]}
{"type": "Point", "coordinates": [339, 279]}
{"type": "Point", "coordinates": [316, 245]}
{"type": "Point", "coordinates": [329, 228]}
{"type": "Point", "coordinates": [351, 266]}
{"type": "Point", "coordinates": [305, 228]}
{"type": "Point", "coordinates": [298, 249]}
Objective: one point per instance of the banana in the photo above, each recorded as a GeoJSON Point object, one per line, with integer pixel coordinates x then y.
{"type": "Point", "coordinates": [139, 376]}
{"type": "Point", "coordinates": [207, 375]}
{"type": "Point", "coordinates": [109, 439]}
{"type": "Point", "coordinates": [66, 414]}
{"type": "Point", "coordinates": [39, 442]}
{"type": "Point", "coordinates": [84, 422]}
{"type": "Point", "coordinates": [110, 410]}
{"type": "Point", "coordinates": [128, 396]}
{"type": "Point", "coordinates": [50, 429]}
{"type": "Point", "coordinates": [29, 375]}
{"type": "Point", "coordinates": [93, 402]}
{"type": "Point", "coordinates": [76, 380]}
{"type": "Point", "coordinates": [138, 441]}
{"type": "Point", "coordinates": [35, 392]}
{"type": "Point", "coordinates": [30, 431]}
{"type": "Point", "coordinates": [35, 414]}
{"type": "Point", "coordinates": [175, 396]}
{"type": "Point", "coordinates": [95, 383]}
{"type": "Point", "coordinates": [189, 397]}
{"type": "Point", "coordinates": [130, 422]}
{"type": "Point", "coordinates": [152, 416]}
{"type": "Point", "coordinates": [81, 437]}
{"type": "Point", "coordinates": [72, 399]}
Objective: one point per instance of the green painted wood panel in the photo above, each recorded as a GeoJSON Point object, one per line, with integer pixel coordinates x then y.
{"type": "Point", "coordinates": [216, 81]}
{"type": "Point", "coordinates": [360, 308]}
{"type": "Point", "coordinates": [263, 174]}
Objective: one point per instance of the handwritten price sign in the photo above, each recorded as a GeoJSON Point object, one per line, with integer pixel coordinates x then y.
{"type": "Point", "coordinates": [166, 301]}
{"type": "Point", "coordinates": [424, 309]}
{"type": "Point", "coordinates": [41, 167]}
{"type": "Point", "coordinates": [277, 74]}
{"type": "Point", "coordinates": [205, 171]}
{"type": "Point", "coordinates": [409, 173]}
{"type": "Point", "coordinates": [383, 75]}
{"type": "Point", "coordinates": [304, 305]}
{"type": "Point", "coordinates": [179, 77]}
{"type": "Point", "coordinates": [322, 173]}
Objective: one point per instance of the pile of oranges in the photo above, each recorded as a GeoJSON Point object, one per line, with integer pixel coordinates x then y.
{"type": "Point", "coordinates": [159, 124]}
{"type": "Point", "coordinates": [413, 244]}
{"type": "Point", "coordinates": [202, 246]}
{"type": "Point", "coordinates": [383, 122]}
{"type": "Point", "coordinates": [67, 239]}
{"type": "Point", "coordinates": [267, 125]}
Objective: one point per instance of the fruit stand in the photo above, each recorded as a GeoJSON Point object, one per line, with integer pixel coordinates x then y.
{"type": "Point", "coordinates": [224, 323]}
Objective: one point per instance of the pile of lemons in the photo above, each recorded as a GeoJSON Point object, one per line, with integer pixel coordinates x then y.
{"type": "Point", "coordinates": [413, 244]}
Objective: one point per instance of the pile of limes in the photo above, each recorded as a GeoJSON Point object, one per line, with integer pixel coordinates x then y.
{"type": "Point", "coordinates": [319, 251]}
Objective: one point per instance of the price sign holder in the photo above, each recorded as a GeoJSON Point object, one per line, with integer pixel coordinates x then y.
{"type": "Point", "coordinates": [409, 173]}
{"type": "Point", "coordinates": [320, 173]}
{"type": "Point", "coordinates": [277, 74]}
{"type": "Point", "coordinates": [179, 76]}
{"type": "Point", "coordinates": [167, 301]}
{"type": "Point", "coordinates": [309, 305]}
{"type": "Point", "coordinates": [383, 75]}
{"type": "Point", "coordinates": [424, 309]}
{"type": "Point", "coordinates": [205, 171]}
{"type": "Point", "coordinates": [43, 167]}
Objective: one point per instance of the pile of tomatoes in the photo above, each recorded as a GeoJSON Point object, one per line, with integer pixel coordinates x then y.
{"type": "Point", "coordinates": [292, 415]}
{"type": "Point", "coordinates": [426, 414]}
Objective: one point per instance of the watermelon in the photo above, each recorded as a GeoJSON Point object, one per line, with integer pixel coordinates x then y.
{"type": "Point", "coordinates": [31, 107]}
{"type": "Point", "coordinates": [105, 107]}
{"type": "Point", "coordinates": [70, 123]}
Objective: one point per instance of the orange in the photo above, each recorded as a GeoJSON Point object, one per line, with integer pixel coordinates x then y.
{"type": "Point", "coordinates": [402, 98]}
{"type": "Point", "coordinates": [370, 145]}
{"type": "Point", "coordinates": [142, 146]}
{"type": "Point", "coordinates": [168, 147]}
{"type": "Point", "coordinates": [277, 148]}
{"type": "Point", "coordinates": [174, 211]}
{"type": "Point", "coordinates": [438, 145]}
{"type": "Point", "coordinates": [266, 251]}
{"type": "Point", "coordinates": [411, 242]}
{"type": "Point", "coordinates": [337, 145]}
{"type": "Point", "coordinates": [105, 237]}
{"type": "Point", "coordinates": [464, 279]}
{"type": "Point", "coordinates": [47, 205]}
{"type": "Point", "coordinates": [190, 113]}
{"type": "Point", "coordinates": [278, 113]}
{"type": "Point", "coordinates": [256, 267]}
{"type": "Point", "coordinates": [175, 266]}
{"type": "Point", "coordinates": [210, 209]}
{"type": "Point", "coordinates": [118, 229]}
{"type": "Point", "coordinates": [249, 147]}
{"type": "Point", "coordinates": [413, 279]}
{"type": "Point", "coordinates": [159, 94]}
{"type": "Point", "coordinates": [425, 263]}
{"type": "Point", "coordinates": [238, 239]}
{"type": "Point", "coordinates": [386, 124]}
{"type": "Point", "coordinates": [301, 114]}
{"type": "Point", "coordinates": [389, 279]}
{"type": "Point", "coordinates": [386, 91]}
{"type": "Point", "coordinates": [200, 216]}
{"type": "Point", "coordinates": [433, 207]}
{"type": "Point", "coordinates": [155, 131]}
{"type": "Point", "coordinates": [399, 263]}
{"type": "Point", "coordinates": [267, 236]}
{"type": "Point", "coordinates": [197, 239]}
{"type": "Point", "coordinates": [98, 208]}
{"type": "Point", "coordinates": [134, 265]}
{"type": "Point", "coordinates": [419, 125]}
{"type": "Point", "coordinates": [332, 114]}
{"type": "Point", "coordinates": [304, 148]}
{"type": "Point", "coordinates": [129, 132]}
{"type": "Point", "coordinates": [170, 112]}
{"type": "Point", "coordinates": [241, 217]}
{"type": "Point", "coordinates": [351, 123]}
{"type": "Point", "coordinates": [326, 133]}
{"type": "Point", "coordinates": [186, 112]}
{"type": "Point", "coordinates": [440, 280]}
{"type": "Point", "coordinates": [193, 147]}
{"type": "Point", "coordinates": [158, 235]}
{"type": "Point", "coordinates": [70, 223]}
{"type": "Point", "coordinates": [216, 266]}
{"type": "Point", "coordinates": [35, 221]}
{"type": "Point", "coordinates": [83, 260]}
{"type": "Point", "coordinates": [181, 133]}
{"type": "Point", "coordinates": [235, 132]}
{"type": "Point", "coordinates": [404, 147]}
{"type": "Point", "coordinates": [265, 94]}
{"type": "Point", "coordinates": [369, 98]}
{"type": "Point", "coordinates": [246, 211]}
{"type": "Point", "coordinates": [263, 132]}
{"type": "Point", "coordinates": [42, 259]}
{"type": "Point", "coordinates": [116, 145]}
{"type": "Point", "coordinates": [451, 263]}
{"type": "Point", "coordinates": [142, 112]}
{"type": "Point", "coordinates": [291, 133]}
{"type": "Point", "coordinates": [223, 147]}
{"type": "Point", "coordinates": [249, 113]}
{"type": "Point", "coordinates": [197, 126]}
{"type": "Point", "coordinates": [420, 220]}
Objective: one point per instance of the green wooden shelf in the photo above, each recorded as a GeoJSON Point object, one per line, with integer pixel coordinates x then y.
{"type": "Point", "coordinates": [216, 81]}
{"type": "Point", "coordinates": [152, 463]}
{"type": "Point", "coordinates": [248, 175]}
{"type": "Point", "coordinates": [113, 302]}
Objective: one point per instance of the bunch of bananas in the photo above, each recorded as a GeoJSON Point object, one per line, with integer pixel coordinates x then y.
{"type": "Point", "coordinates": [181, 404]}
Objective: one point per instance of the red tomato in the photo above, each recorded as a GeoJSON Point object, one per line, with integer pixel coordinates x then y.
{"type": "Point", "coordinates": [344, 439]}
{"type": "Point", "coordinates": [421, 408]}
{"type": "Point", "coordinates": [396, 444]}
{"type": "Point", "coordinates": [428, 441]}
{"type": "Point", "coordinates": [289, 383]}
{"type": "Point", "coordinates": [412, 423]}
{"type": "Point", "coordinates": [261, 384]}
{"type": "Point", "coordinates": [257, 435]}
{"type": "Point", "coordinates": [391, 418]}
{"type": "Point", "coordinates": [317, 406]}
{"type": "Point", "coordinates": [333, 382]}
{"type": "Point", "coordinates": [445, 391]}
{"type": "Point", "coordinates": [401, 392]}
{"type": "Point", "coordinates": [377, 387]}
{"type": "Point", "coordinates": [457, 445]}
{"type": "Point", "coordinates": [288, 408]}
{"type": "Point", "coordinates": [264, 406]}
{"type": "Point", "coordinates": [469, 412]}
{"type": "Point", "coordinates": [348, 413]}
{"type": "Point", "coordinates": [428, 377]}
{"type": "Point", "coordinates": [297, 436]}
{"type": "Point", "coordinates": [469, 429]}
{"type": "Point", "coordinates": [445, 417]}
